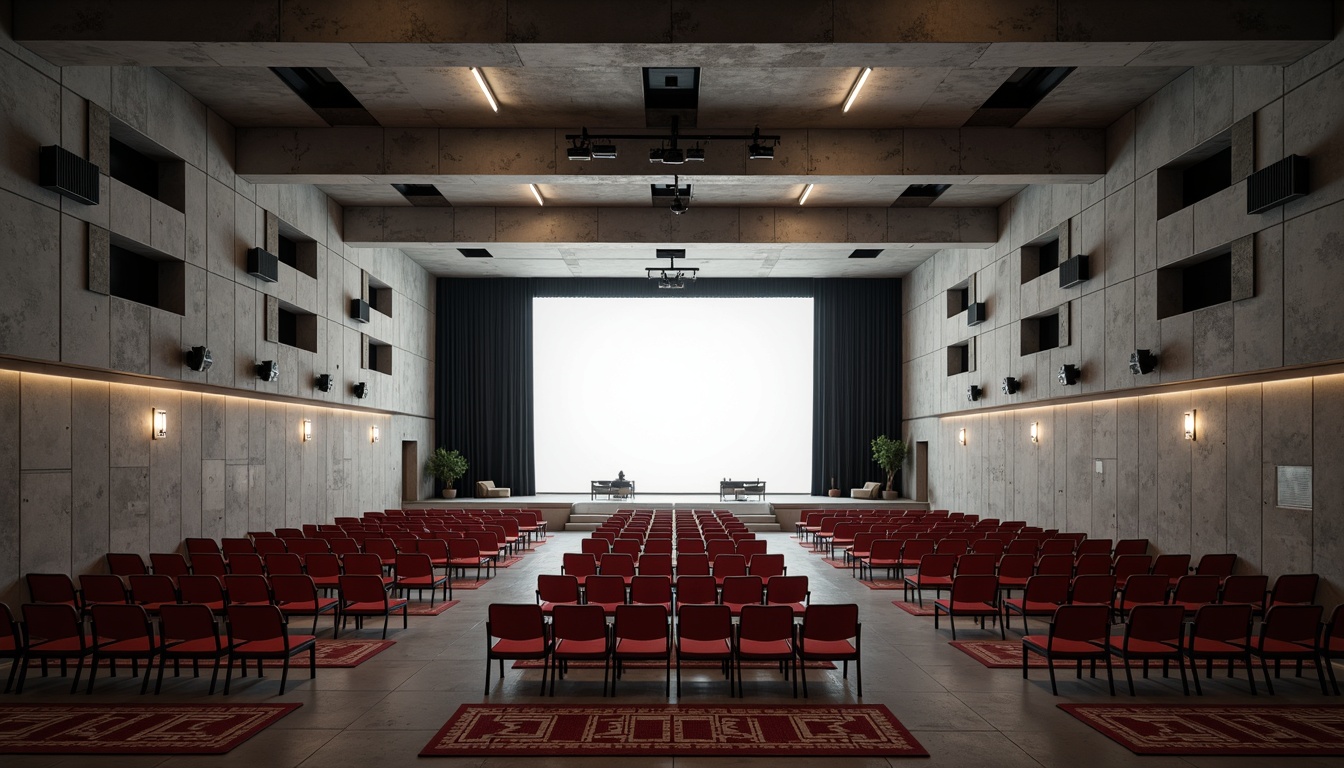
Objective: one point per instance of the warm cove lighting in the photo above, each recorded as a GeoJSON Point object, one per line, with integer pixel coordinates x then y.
{"type": "Point", "coordinates": [1035, 432]}
{"type": "Point", "coordinates": [858, 86]}
{"type": "Point", "coordinates": [536, 193]}
{"type": "Point", "coordinates": [160, 424]}
{"type": "Point", "coordinates": [485, 88]}
{"type": "Point", "coordinates": [1189, 425]}
{"type": "Point", "coordinates": [307, 430]}
{"type": "Point", "coordinates": [961, 436]}
{"type": "Point", "coordinates": [806, 191]}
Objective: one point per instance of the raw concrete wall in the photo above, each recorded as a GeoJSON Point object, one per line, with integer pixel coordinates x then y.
{"type": "Point", "coordinates": [79, 474]}
{"type": "Point", "coordinates": [1217, 492]}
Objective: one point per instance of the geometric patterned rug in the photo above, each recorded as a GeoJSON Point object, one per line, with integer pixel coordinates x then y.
{"type": "Point", "coordinates": [133, 729]}
{"type": "Point", "coordinates": [1173, 729]}
{"type": "Point", "coordinates": [882, 583]}
{"type": "Point", "coordinates": [1007, 654]}
{"type": "Point", "coordinates": [658, 729]}
{"type": "Point", "coordinates": [914, 609]}
{"type": "Point", "coordinates": [335, 654]}
{"type": "Point", "coordinates": [417, 608]}
{"type": "Point", "coordinates": [469, 583]}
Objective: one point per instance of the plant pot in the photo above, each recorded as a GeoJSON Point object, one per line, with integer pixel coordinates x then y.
{"type": "Point", "coordinates": [450, 493]}
{"type": "Point", "coordinates": [890, 495]}
{"type": "Point", "coordinates": [834, 493]}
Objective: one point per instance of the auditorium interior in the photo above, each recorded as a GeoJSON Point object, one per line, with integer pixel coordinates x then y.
{"type": "Point", "coordinates": [260, 258]}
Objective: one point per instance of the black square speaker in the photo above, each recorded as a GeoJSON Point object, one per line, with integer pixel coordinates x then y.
{"type": "Point", "coordinates": [975, 313]}
{"type": "Point", "coordinates": [1074, 271]}
{"type": "Point", "coordinates": [199, 359]}
{"type": "Point", "coordinates": [268, 370]}
{"type": "Point", "coordinates": [361, 390]}
{"type": "Point", "coordinates": [324, 382]}
{"type": "Point", "coordinates": [67, 174]}
{"type": "Point", "coordinates": [263, 265]}
{"type": "Point", "coordinates": [359, 310]}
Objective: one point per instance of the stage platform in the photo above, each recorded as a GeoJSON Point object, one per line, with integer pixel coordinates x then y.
{"type": "Point", "coordinates": [578, 512]}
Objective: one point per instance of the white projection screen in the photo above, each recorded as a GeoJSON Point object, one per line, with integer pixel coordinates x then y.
{"type": "Point", "coordinates": [678, 393]}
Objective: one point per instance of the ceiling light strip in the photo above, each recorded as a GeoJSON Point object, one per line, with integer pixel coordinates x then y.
{"type": "Point", "coordinates": [490, 96]}
{"type": "Point", "coordinates": [853, 92]}
{"type": "Point", "coordinates": [536, 193]}
{"type": "Point", "coordinates": [806, 191]}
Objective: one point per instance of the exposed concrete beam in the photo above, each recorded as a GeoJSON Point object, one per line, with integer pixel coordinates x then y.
{"type": "Point", "coordinates": [921, 228]}
{"type": "Point", "coordinates": [796, 33]}
{"type": "Point", "coordinates": [418, 155]}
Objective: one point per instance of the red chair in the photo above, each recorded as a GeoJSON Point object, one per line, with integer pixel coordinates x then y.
{"type": "Point", "coordinates": [200, 546]}
{"type": "Point", "coordinates": [54, 589]}
{"type": "Point", "coordinates": [1195, 592]}
{"type": "Point", "coordinates": [1141, 589]}
{"type": "Point", "coordinates": [1220, 565]}
{"type": "Point", "coordinates": [705, 633]}
{"type": "Point", "coordinates": [1288, 633]}
{"type": "Point", "coordinates": [237, 546]}
{"type": "Point", "coordinates": [267, 546]}
{"type": "Point", "coordinates": [364, 565]}
{"type": "Point", "coordinates": [971, 595]}
{"type": "Point", "coordinates": [1077, 633]}
{"type": "Point", "coordinates": [1093, 590]}
{"type": "Point", "coordinates": [11, 643]}
{"type": "Point", "coordinates": [122, 631]}
{"type": "Point", "coordinates": [618, 564]}
{"type": "Point", "coordinates": [651, 590]}
{"type": "Point", "coordinates": [993, 547]}
{"type": "Point", "coordinates": [1042, 595]}
{"type": "Point", "coordinates": [726, 566]}
{"type": "Point", "coordinates": [641, 633]}
{"type": "Point", "coordinates": [1094, 547]}
{"type": "Point", "coordinates": [951, 546]}
{"type": "Point", "coordinates": [1331, 644]}
{"type": "Point", "coordinates": [765, 633]}
{"type": "Point", "coordinates": [693, 565]}
{"type": "Point", "coordinates": [153, 591]}
{"type": "Point", "coordinates": [363, 596]}
{"type": "Point", "coordinates": [247, 564]}
{"type": "Point", "coordinates": [203, 590]}
{"type": "Point", "coordinates": [296, 595]}
{"type": "Point", "coordinates": [556, 589]}
{"type": "Point", "coordinates": [605, 591]}
{"type": "Point", "coordinates": [1014, 571]}
{"type": "Point", "coordinates": [209, 563]}
{"type": "Point", "coordinates": [466, 553]}
{"type": "Point", "coordinates": [1247, 590]}
{"type": "Point", "coordinates": [597, 547]}
{"type": "Point", "coordinates": [125, 565]}
{"type": "Point", "coordinates": [169, 564]}
{"type": "Point", "coordinates": [1220, 633]}
{"type": "Point", "coordinates": [789, 590]}
{"type": "Point", "coordinates": [579, 565]}
{"type": "Point", "coordinates": [766, 566]}
{"type": "Point", "coordinates": [628, 546]}
{"type": "Point", "coordinates": [697, 590]}
{"type": "Point", "coordinates": [283, 563]}
{"type": "Point", "coordinates": [54, 632]}
{"type": "Point", "coordinates": [741, 591]}
{"type": "Point", "coordinates": [1130, 547]}
{"type": "Point", "coordinates": [935, 572]}
{"type": "Point", "coordinates": [1054, 565]}
{"type": "Point", "coordinates": [978, 565]}
{"type": "Point", "coordinates": [103, 588]}
{"type": "Point", "coordinates": [1087, 565]}
{"type": "Point", "coordinates": [189, 632]}
{"type": "Point", "coordinates": [260, 632]}
{"type": "Point", "coordinates": [1294, 589]}
{"type": "Point", "coordinates": [516, 631]}
{"type": "Point", "coordinates": [579, 633]}
{"type": "Point", "coordinates": [885, 553]}
{"type": "Point", "coordinates": [689, 546]}
{"type": "Point", "coordinates": [912, 551]}
{"type": "Point", "coordinates": [415, 570]}
{"type": "Point", "coordinates": [749, 548]}
{"type": "Point", "coordinates": [1130, 565]}
{"type": "Point", "coordinates": [831, 633]}
{"type": "Point", "coordinates": [1058, 547]}
{"type": "Point", "coordinates": [717, 547]}
{"type": "Point", "coordinates": [247, 590]}
{"type": "Point", "coordinates": [1153, 633]}
{"type": "Point", "coordinates": [385, 549]}
{"type": "Point", "coordinates": [1171, 566]}
{"type": "Point", "coordinates": [655, 564]}
{"type": "Point", "coordinates": [325, 570]}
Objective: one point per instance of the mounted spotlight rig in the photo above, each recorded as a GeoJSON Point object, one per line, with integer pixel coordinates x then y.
{"type": "Point", "coordinates": [670, 150]}
{"type": "Point", "coordinates": [680, 194]}
{"type": "Point", "coordinates": [672, 277]}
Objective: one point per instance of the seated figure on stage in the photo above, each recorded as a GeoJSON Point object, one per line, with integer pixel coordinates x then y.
{"type": "Point", "coordinates": [620, 481]}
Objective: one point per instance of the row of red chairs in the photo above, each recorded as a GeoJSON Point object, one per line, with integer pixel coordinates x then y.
{"type": "Point", "coordinates": [896, 555]}
{"type": "Point", "coordinates": [644, 633]}
{"type": "Point", "coordinates": [713, 547]}
{"type": "Point", "coordinates": [734, 591]}
{"type": "Point", "coordinates": [584, 564]}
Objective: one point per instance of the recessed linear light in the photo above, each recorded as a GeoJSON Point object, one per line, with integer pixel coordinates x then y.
{"type": "Point", "coordinates": [858, 86]}
{"type": "Point", "coordinates": [536, 193]}
{"type": "Point", "coordinates": [475, 253]}
{"type": "Point", "coordinates": [865, 253]}
{"type": "Point", "coordinates": [485, 88]}
{"type": "Point", "coordinates": [806, 191]}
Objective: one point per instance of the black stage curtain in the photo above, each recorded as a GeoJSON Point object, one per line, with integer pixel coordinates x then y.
{"type": "Point", "coordinates": [856, 378]}
{"type": "Point", "coordinates": [483, 381]}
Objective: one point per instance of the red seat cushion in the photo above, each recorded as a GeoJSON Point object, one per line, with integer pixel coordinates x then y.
{"type": "Point", "coordinates": [1062, 647]}
{"type": "Point", "coordinates": [765, 647]}
{"type": "Point", "coordinates": [576, 648]}
{"type": "Point", "coordinates": [531, 645]}
{"type": "Point", "coordinates": [827, 649]}
{"type": "Point", "coordinates": [626, 646]}
{"type": "Point", "coordinates": [1142, 647]}
{"type": "Point", "coordinates": [704, 647]}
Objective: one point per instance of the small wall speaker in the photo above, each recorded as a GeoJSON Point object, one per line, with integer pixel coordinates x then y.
{"type": "Point", "coordinates": [975, 313]}
{"type": "Point", "coordinates": [263, 265]}
{"type": "Point", "coordinates": [268, 370]}
{"type": "Point", "coordinates": [1068, 375]}
{"type": "Point", "coordinates": [973, 393]}
{"type": "Point", "coordinates": [1010, 385]}
{"type": "Point", "coordinates": [199, 359]}
{"type": "Point", "coordinates": [324, 382]}
{"type": "Point", "coordinates": [1142, 362]}
{"type": "Point", "coordinates": [67, 174]}
{"type": "Point", "coordinates": [359, 310]}
{"type": "Point", "coordinates": [361, 390]}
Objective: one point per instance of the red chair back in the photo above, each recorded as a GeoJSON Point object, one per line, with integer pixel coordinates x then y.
{"type": "Point", "coordinates": [765, 623]}
{"type": "Point", "coordinates": [1220, 565]}
{"type": "Point", "coordinates": [519, 622]}
{"type": "Point", "coordinates": [1292, 623]}
{"type": "Point", "coordinates": [974, 588]}
{"type": "Point", "coordinates": [1157, 624]}
{"type": "Point", "coordinates": [976, 564]}
{"type": "Point", "coordinates": [1048, 588]}
{"type": "Point", "coordinates": [1086, 623]}
{"type": "Point", "coordinates": [1249, 589]}
{"type": "Point", "coordinates": [938, 565]}
{"type": "Point", "coordinates": [250, 623]}
{"type": "Point", "coordinates": [202, 589]}
{"type": "Point", "coordinates": [1056, 564]}
{"type": "Point", "coordinates": [251, 590]}
{"type": "Point", "coordinates": [125, 564]}
{"type": "Point", "coordinates": [1131, 547]}
{"type": "Point", "coordinates": [767, 566]}
{"type": "Point", "coordinates": [1224, 623]}
{"type": "Point", "coordinates": [286, 563]}
{"type": "Point", "coordinates": [696, 590]}
{"type": "Point", "coordinates": [617, 564]}
{"type": "Point", "coordinates": [693, 565]}
{"type": "Point", "coordinates": [102, 588]}
{"type": "Point", "coordinates": [1096, 589]}
{"type": "Point", "coordinates": [579, 564]}
{"type": "Point", "coordinates": [830, 623]}
{"type": "Point", "coordinates": [1295, 588]}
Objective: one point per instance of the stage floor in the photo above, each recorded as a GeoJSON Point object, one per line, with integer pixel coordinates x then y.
{"type": "Point", "coordinates": [683, 500]}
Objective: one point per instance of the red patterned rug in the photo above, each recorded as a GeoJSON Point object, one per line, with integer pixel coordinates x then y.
{"type": "Point", "coordinates": [836, 563]}
{"type": "Point", "coordinates": [335, 654]}
{"type": "Point", "coordinates": [1174, 729]}
{"type": "Point", "coordinates": [469, 583]}
{"type": "Point", "coordinates": [426, 609]}
{"type": "Point", "coordinates": [133, 729]}
{"type": "Point", "coordinates": [685, 731]}
{"type": "Point", "coordinates": [882, 584]}
{"type": "Point", "coordinates": [505, 562]}
{"type": "Point", "coordinates": [914, 609]}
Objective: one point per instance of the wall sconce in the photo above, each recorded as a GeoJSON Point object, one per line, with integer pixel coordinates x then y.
{"type": "Point", "coordinates": [373, 434]}
{"type": "Point", "coordinates": [1035, 432]}
{"type": "Point", "coordinates": [1190, 425]}
{"type": "Point", "coordinates": [961, 436]}
{"type": "Point", "coordinates": [307, 430]}
{"type": "Point", "coordinates": [160, 424]}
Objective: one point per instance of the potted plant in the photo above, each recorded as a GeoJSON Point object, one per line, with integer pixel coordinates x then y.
{"type": "Point", "coordinates": [889, 454]}
{"type": "Point", "coordinates": [447, 467]}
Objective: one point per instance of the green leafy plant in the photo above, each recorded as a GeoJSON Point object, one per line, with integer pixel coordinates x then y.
{"type": "Point", "coordinates": [888, 454]}
{"type": "Point", "coordinates": [446, 466]}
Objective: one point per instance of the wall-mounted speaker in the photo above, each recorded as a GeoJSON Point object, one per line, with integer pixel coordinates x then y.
{"type": "Point", "coordinates": [1010, 385]}
{"type": "Point", "coordinates": [1068, 375]}
{"type": "Point", "coordinates": [199, 359]}
{"type": "Point", "coordinates": [1074, 271]}
{"type": "Point", "coordinates": [67, 174]}
{"type": "Point", "coordinates": [973, 393]}
{"type": "Point", "coordinates": [268, 370]}
{"type": "Point", "coordinates": [325, 382]}
{"type": "Point", "coordinates": [1142, 361]}
{"type": "Point", "coordinates": [975, 313]}
{"type": "Point", "coordinates": [1276, 184]}
{"type": "Point", "coordinates": [359, 310]}
{"type": "Point", "coordinates": [263, 265]}
{"type": "Point", "coordinates": [361, 390]}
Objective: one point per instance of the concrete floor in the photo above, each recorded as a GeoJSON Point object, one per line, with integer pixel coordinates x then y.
{"type": "Point", "coordinates": [383, 712]}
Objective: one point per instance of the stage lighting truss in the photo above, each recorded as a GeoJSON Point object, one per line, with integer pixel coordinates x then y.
{"type": "Point", "coordinates": [672, 277]}
{"type": "Point", "coordinates": [585, 146]}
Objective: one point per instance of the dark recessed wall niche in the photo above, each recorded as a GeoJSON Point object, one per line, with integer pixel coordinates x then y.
{"type": "Point", "coordinates": [143, 165]}
{"type": "Point", "coordinates": [1194, 284]}
{"type": "Point", "coordinates": [1198, 174]}
{"type": "Point", "coordinates": [297, 328]}
{"type": "Point", "coordinates": [152, 280]}
{"type": "Point", "coordinates": [380, 358]}
{"type": "Point", "coordinates": [380, 297]}
{"type": "Point", "coordinates": [1041, 257]}
{"type": "Point", "coordinates": [958, 299]}
{"type": "Point", "coordinates": [297, 251]}
{"type": "Point", "coordinates": [1040, 333]}
{"type": "Point", "coordinates": [958, 359]}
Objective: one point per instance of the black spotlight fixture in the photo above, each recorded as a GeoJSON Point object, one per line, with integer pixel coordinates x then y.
{"type": "Point", "coordinates": [1142, 361]}
{"type": "Point", "coordinates": [1068, 375]}
{"type": "Point", "coordinates": [1010, 385]}
{"type": "Point", "coordinates": [361, 390]}
{"type": "Point", "coordinates": [757, 150]}
{"type": "Point", "coordinates": [199, 359]}
{"type": "Point", "coordinates": [324, 382]}
{"type": "Point", "coordinates": [268, 370]}
{"type": "Point", "coordinates": [973, 393]}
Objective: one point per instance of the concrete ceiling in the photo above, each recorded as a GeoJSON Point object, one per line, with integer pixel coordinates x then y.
{"type": "Point", "coordinates": [783, 65]}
